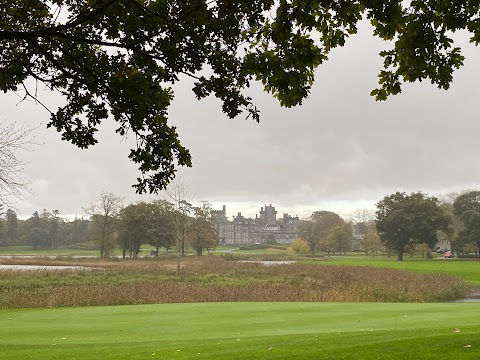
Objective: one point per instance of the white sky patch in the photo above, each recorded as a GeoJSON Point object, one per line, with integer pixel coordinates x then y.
{"type": "Point", "coordinates": [339, 151]}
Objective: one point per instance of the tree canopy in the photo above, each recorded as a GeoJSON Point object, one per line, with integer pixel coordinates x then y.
{"type": "Point", "coordinates": [403, 219]}
{"type": "Point", "coordinates": [467, 208]}
{"type": "Point", "coordinates": [316, 230]}
{"type": "Point", "coordinates": [201, 232]}
{"type": "Point", "coordinates": [118, 58]}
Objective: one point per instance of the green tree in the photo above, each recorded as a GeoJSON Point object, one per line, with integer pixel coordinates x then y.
{"type": "Point", "coordinates": [371, 244]}
{"type": "Point", "coordinates": [327, 244]}
{"type": "Point", "coordinates": [457, 244]}
{"type": "Point", "coordinates": [342, 237]}
{"type": "Point", "coordinates": [402, 219]}
{"type": "Point", "coordinates": [325, 223]}
{"type": "Point", "coordinates": [163, 231]}
{"type": "Point", "coordinates": [76, 231]}
{"type": "Point", "coordinates": [11, 222]}
{"type": "Point", "coordinates": [35, 219]}
{"type": "Point", "coordinates": [4, 240]}
{"type": "Point", "coordinates": [38, 237]}
{"type": "Point", "coordinates": [135, 227]}
{"type": "Point", "coordinates": [201, 232]}
{"type": "Point", "coordinates": [306, 232]}
{"type": "Point", "coordinates": [118, 59]}
{"type": "Point", "coordinates": [30, 223]}
{"type": "Point", "coordinates": [316, 229]}
{"type": "Point", "coordinates": [467, 208]}
{"type": "Point", "coordinates": [55, 222]}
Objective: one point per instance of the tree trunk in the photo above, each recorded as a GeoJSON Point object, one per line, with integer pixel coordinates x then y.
{"type": "Point", "coordinates": [179, 245]}
{"type": "Point", "coordinates": [400, 255]}
{"type": "Point", "coordinates": [103, 248]}
{"type": "Point", "coordinates": [199, 251]}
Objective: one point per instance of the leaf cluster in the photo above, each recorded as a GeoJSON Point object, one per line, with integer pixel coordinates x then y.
{"type": "Point", "coordinates": [117, 59]}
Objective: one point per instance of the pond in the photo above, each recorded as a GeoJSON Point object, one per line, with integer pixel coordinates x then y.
{"type": "Point", "coordinates": [40, 267]}
{"type": "Point", "coordinates": [268, 263]}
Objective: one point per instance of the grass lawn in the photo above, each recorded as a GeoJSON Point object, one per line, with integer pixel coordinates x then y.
{"type": "Point", "coordinates": [244, 331]}
{"type": "Point", "coordinates": [258, 252]}
{"type": "Point", "coordinates": [30, 251]}
{"type": "Point", "coordinates": [468, 269]}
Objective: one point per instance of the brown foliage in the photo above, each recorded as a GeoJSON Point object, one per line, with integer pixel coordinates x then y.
{"type": "Point", "coordinates": [210, 279]}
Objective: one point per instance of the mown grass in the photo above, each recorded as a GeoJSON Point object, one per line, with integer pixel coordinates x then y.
{"type": "Point", "coordinates": [211, 279]}
{"type": "Point", "coordinates": [468, 269]}
{"type": "Point", "coordinates": [66, 251]}
{"type": "Point", "coordinates": [244, 331]}
{"type": "Point", "coordinates": [30, 251]}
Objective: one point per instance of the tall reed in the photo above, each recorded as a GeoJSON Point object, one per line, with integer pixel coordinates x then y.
{"type": "Point", "coordinates": [210, 279]}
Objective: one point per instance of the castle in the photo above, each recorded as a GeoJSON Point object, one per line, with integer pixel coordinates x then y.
{"type": "Point", "coordinates": [263, 229]}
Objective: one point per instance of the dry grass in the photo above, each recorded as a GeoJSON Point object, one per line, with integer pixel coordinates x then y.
{"type": "Point", "coordinates": [210, 279]}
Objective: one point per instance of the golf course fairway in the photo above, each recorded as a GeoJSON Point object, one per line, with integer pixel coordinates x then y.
{"type": "Point", "coordinates": [244, 331]}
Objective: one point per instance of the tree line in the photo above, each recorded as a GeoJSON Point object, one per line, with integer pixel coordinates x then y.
{"type": "Point", "coordinates": [401, 223]}
{"type": "Point", "coordinates": [404, 220]}
{"type": "Point", "coordinates": [110, 225]}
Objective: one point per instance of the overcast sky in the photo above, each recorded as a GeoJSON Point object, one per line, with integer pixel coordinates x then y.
{"type": "Point", "coordinates": [339, 151]}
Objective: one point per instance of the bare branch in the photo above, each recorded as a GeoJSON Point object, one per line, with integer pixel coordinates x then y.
{"type": "Point", "coordinates": [12, 140]}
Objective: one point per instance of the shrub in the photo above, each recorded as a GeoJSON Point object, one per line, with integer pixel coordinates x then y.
{"type": "Point", "coordinates": [300, 246]}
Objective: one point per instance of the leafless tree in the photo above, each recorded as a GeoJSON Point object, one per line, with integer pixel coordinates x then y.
{"type": "Point", "coordinates": [13, 139]}
{"type": "Point", "coordinates": [363, 218]}
{"type": "Point", "coordinates": [177, 193]}
{"type": "Point", "coordinates": [104, 213]}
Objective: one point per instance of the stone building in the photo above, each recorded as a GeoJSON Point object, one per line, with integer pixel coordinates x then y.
{"type": "Point", "coordinates": [263, 229]}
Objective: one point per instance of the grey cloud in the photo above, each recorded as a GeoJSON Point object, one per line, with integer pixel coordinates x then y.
{"type": "Point", "coordinates": [340, 150]}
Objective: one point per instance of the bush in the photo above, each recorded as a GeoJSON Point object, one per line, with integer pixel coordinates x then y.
{"type": "Point", "coordinates": [300, 246]}
{"type": "Point", "coordinates": [254, 247]}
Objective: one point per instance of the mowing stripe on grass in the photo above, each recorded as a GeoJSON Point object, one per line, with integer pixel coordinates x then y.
{"type": "Point", "coordinates": [243, 331]}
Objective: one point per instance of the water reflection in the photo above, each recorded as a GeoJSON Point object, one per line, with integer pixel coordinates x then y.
{"type": "Point", "coordinates": [40, 267]}
{"type": "Point", "coordinates": [469, 300]}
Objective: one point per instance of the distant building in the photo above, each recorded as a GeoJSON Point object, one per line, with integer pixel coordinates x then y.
{"type": "Point", "coordinates": [264, 228]}
{"type": "Point", "coordinates": [357, 237]}
{"type": "Point", "coordinates": [268, 216]}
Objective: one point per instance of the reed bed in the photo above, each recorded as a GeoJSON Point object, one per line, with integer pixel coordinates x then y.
{"type": "Point", "coordinates": [211, 279]}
